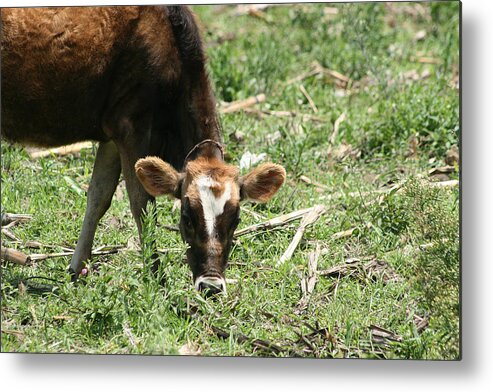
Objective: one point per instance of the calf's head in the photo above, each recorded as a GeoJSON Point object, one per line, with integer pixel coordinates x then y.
{"type": "Point", "coordinates": [210, 192]}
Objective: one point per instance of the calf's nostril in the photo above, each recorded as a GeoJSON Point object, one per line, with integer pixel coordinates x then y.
{"type": "Point", "coordinates": [210, 288]}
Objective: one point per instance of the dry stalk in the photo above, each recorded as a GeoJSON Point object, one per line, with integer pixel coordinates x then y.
{"type": "Point", "coordinates": [274, 222]}
{"type": "Point", "coordinates": [64, 150]}
{"type": "Point", "coordinates": [310, 100]}
{"type": "Point", "coordinates": [443, 184]}
{"type": "Point", "coordinates": [335, 132]}
{"type": "Point", "coordinates": [307, 220]}
{"type": "Point", "coordinates": [308, 283]}
{"type": "Point", "coordinates": [309, 181]}
{"type": "Point", "coordinates": [283, 113]}
{"type": "Point", "coordinates": [343, 234]}
{"type": "Point", "coordinates": [242, 104]}
{"type": "Point", "coordinates": [44, 256]}
{"type": "Point", "coordinates": [11, 236]}
{"type": "Point", "coordinates": [14, 256]}
{"type": "Point", "coordinates": [342, 81]}
{"type": "Point", "coordinates": [128, 332]}
{"type": "Point", "coordinates": [10, 218]}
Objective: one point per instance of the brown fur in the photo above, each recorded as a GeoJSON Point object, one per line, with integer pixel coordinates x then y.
{"type": "Point", "coordinates": [157, 177]}
{"type": "Point", "coordinates": [214, 168]}
{"type": "Point", "coordinates": [263, 182]}
{"type": "Point", "coordinates": [76, 73]}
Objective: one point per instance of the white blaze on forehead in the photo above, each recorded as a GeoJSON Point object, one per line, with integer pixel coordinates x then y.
{"type": "Point", "coordinates": [213, 206]}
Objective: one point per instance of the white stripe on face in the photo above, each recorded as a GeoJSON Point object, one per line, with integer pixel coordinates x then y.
{"type": "Point", "coordinates": [213, 206]}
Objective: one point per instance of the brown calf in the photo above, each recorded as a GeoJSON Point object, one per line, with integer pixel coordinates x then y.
{"type": "Point", "coordinates": [133, 79]}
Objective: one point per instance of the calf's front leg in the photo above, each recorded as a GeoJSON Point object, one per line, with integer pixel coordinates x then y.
{"type": "Point", "coordinates": [105, 176]}
{"type": "Point", "coordinates": [137, 195]}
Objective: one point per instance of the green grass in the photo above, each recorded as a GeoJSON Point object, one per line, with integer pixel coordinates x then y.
{"type": "Point", "coordinates": [121, 308]}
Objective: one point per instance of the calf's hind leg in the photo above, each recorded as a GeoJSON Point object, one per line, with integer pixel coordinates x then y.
{"type": "Point", "coordinates": [105, 176]}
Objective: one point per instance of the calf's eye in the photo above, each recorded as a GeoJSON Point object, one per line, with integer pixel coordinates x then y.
{"type": "Point", "coordinates": [187, 222]}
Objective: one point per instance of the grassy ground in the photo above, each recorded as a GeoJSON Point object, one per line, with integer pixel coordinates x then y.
{"type": "Point", "coordinates": [402, 116]}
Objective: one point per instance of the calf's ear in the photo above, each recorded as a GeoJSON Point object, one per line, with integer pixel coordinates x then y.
{"type": "Point", "coordinates": [262, 182]}
{"type": "Point", "coordinates": [158, 177]}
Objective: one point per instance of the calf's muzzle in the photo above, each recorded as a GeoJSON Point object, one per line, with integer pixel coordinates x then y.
{"type": "Point", "coordinates": [210, 285]}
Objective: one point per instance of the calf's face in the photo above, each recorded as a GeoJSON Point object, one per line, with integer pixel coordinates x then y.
{"type": "Point", "coordinates": [210, 192]}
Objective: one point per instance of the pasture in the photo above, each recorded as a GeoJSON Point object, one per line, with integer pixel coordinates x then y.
{"type": "Point", "coordinates": [362, 109]}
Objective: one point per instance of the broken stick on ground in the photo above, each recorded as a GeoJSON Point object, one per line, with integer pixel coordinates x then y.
{"type": "Point", "coordinates": [14, 256]}
{"type": "Point", "coordinates": [308, 283]}
{"type": "Point", "coordinates": [341, 80]}
{"type": "Point", "coordinates": [308, 219]}
{"type": "Point", "coordinates": [245, 103]}
{"type": "Point", "coordinates": [309, 181]}
{"type": "Point", "coordinates": [335, 132]}
{"type": "Point", "coordinates": [64, 150]}
{"type": "Point", "coordinates": [274, 222]}
{"type": "Point", "coordinates": [309, 98]}
{"type": "Point", "coordinates": [9, 218]}
{"type": "Point", "coordinates": [44, 256]}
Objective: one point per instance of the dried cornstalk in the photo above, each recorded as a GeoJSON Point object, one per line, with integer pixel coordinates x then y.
{"type": "Point", "coordinates": [443, 184]}
{"type": "Point", "coordinates": [341, 80]}
{"type": "Point", "coordinates": [335, 132]}
{"type": "Point", "coordinates": [383, 336]}
{"type": "Point", "coordinates": [373, 269]}
{"type": "Point", "coordinates": [242, 104]}
{"type": "Point", "coordinates": [309, 181]}
{"type": "Point", "coordinates": [39, 245]}
{"type": "Point", "coordinates": [283, 113]}
{"type": "Point", "coordinates": [310, 100]}
{"type": "Point", "coordinates": [303, 76]}
{"type": "Point", "coordinates": [441, 170]}
{"type": "Point", "coordinates": [307, 220]}
{"type": "Point", "coordinates": [420, 322]}
{"type": "Point", "coordinates": [256, 215]}
{"type": "Point", "coordinates": [343, 234]}
{"type": "Point", "coordinates": [9, 218]}
{"type": "Point", "coordinates": [308, 283]}
{"type": "Point", "coordinates": [274, 222]}
{"type": "Point", "coordinates": [10, 235]}
{"type": "Point", "coordinates": [128, 332]}
{"type": "Point", "coordinates": [64, 150]}
{"type": "Point", "coordinates": [247, 9]}
{"type": "Point", "coordinates": [14, 256]}
{"type": "Point", "coordinates": [18, 334]}
{"type": "Point", "coordinates": [428, 60]}
{"type": "Point", "coordinates": [44, 256]}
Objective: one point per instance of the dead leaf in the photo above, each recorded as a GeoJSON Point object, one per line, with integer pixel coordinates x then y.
{"type": "Point", "coordinates": [413, 147]}
{"type": "Point", "coordinates": [238, 136]}
{"type": "Point", "coordinates": [343, 234]}
{"type": "Point", "coordinates": [189, 349]}
{"type": "Point", "coordinates": [22, 288]}
{"type": "Point", "coordinates": [452, 157]}
{"type": "Point", "coordinates": [18, 334]}
{"type": "Point", "coordinates": [420, 35]}
{"type": "Point", "coordinates": [272, 138]}
{"type": "Point", "coordinates": [373, 269]}
{"type": "Point", "coordinates": [380, 335]}
{"type": "Point", "coordinates": [120, 191]}
{"type": "Point", "coordinates": [133, 244]}
{"type": "Point", "coordinates": [420, 322]}
{"type": "Point", "coordinates": [62, 317]}
{"type": "Point", "coordinates": [344, 151]}
{"type": "Point", "coordinates": [115, 222]}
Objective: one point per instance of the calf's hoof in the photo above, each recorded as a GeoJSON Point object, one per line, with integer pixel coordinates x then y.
{"type": "Point", "coordinates": [73, 275]}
